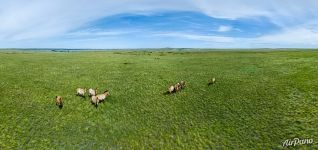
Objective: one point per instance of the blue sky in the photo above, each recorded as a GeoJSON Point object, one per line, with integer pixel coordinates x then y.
{"type": "Point", "coordinates": [158, 24]}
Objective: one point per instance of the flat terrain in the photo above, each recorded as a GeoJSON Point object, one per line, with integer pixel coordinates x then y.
{"type": "Point", "coordinates": [261, 99]}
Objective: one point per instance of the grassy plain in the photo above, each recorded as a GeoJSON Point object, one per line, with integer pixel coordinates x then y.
{"type": "Point", "coordinates": [261, 99]}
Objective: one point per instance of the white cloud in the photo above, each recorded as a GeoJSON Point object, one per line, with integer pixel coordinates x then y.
{"type": "Point", "coordinates": [38, 19]}
{"type": "Point", "coordinates": [224, 28]}
{"type": "Point", "coordinates": [98, 32]}
{"type": "Point", "coordinates": [205, 38]}
{"type": "Point", "coordinates": [292, 36]}
{"type": "Point", "coordinates": [44, 18]}
{"type": "Point", "coordinates": [282, 12]}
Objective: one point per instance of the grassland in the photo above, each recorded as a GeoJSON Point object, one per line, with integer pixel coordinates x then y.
{"type": "Point", "coordinates": [260, 100]}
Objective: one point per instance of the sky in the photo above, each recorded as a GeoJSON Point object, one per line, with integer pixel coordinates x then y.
{"type": "Point", "coordinates": [101, 24]}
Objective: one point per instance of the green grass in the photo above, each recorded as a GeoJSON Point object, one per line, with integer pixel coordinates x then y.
{"type": "Point", "coordinates": [260, 100]}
